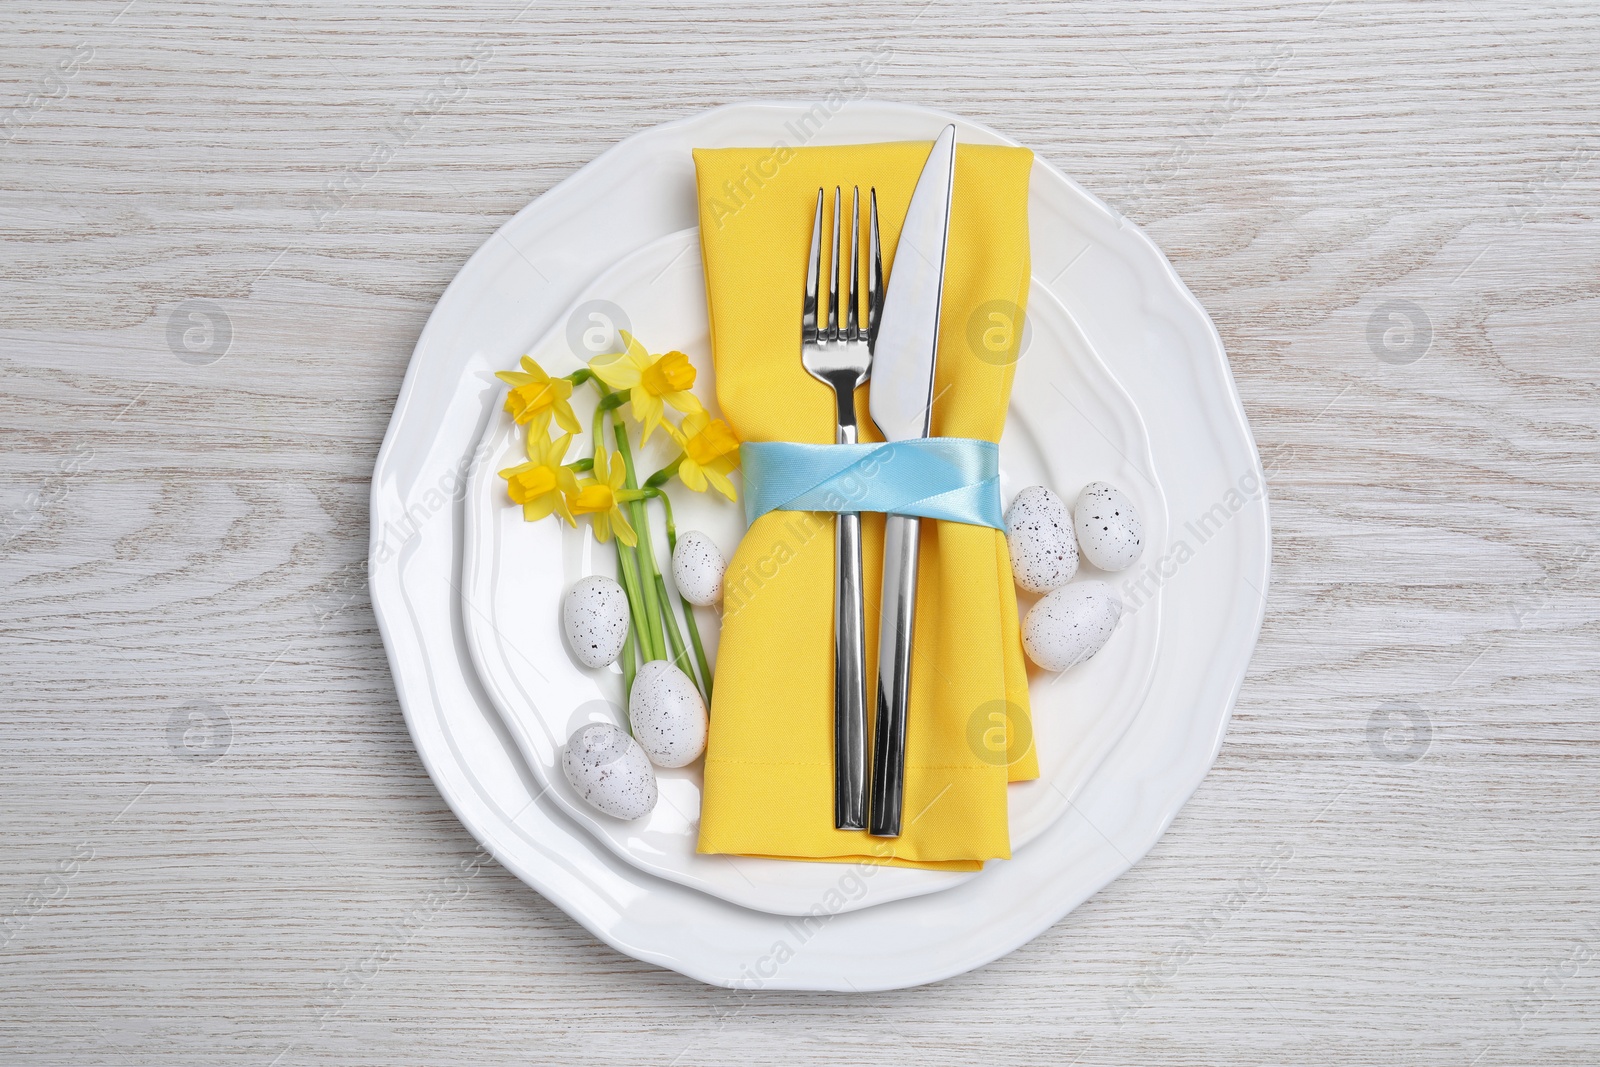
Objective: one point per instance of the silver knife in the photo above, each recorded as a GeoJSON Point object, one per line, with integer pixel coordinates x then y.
{"type": "Point", "coordinates": [903, 360]}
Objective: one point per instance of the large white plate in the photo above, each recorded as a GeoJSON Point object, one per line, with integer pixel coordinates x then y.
{"type": "Point", "coordinates": [515, 573]}
{"type": "Point", "coordinates": [1128, 303]}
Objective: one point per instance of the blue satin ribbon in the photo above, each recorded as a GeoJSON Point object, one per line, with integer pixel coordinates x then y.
{"type": "Point", "coordinates": [956, 479]}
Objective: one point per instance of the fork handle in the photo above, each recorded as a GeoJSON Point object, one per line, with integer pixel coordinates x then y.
{"type": "Point", "coordinates": [849, 680]}
{"type": "Point", "coordinates": [849, 670]}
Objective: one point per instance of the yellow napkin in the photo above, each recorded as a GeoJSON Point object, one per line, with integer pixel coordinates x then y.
{"type": "Point", "coordinates": [769, 764]}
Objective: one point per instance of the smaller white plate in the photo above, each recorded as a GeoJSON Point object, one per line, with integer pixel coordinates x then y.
{"type": "Point", "coordinates": [1070, 423]}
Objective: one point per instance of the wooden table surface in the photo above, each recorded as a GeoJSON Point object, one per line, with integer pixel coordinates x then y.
{"type": "Point", "coordinates": [212, 812]}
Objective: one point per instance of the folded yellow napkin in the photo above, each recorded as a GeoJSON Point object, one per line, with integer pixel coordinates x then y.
{"type": "Point", "coordinates": [769, 764]}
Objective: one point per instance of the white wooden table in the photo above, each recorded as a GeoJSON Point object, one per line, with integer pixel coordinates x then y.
{"type": "Point", "coordinates": [212, 815]}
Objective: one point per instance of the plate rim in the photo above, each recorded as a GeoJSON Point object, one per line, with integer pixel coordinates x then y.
{"type": "Point", "coordinates": [386, 573]}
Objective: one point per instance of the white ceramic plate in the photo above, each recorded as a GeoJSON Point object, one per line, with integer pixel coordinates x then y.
{"type": "Point", "coordinates": [1071, 424]}
{"type": "Point", "coordinates": [1128, 303]}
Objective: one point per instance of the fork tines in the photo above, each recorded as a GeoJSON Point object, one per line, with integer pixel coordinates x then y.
{"type": "Point", "coordinates": [814, 333]}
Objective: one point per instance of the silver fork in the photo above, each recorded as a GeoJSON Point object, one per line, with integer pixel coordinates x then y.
{"type": "Point", "coordinates": [842, 359]}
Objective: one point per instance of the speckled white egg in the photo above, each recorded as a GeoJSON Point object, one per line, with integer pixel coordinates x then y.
{"type": "Point", "coordinates": [610, 771]}
{"type": "Point", "coordinates": [1044, 551]}
{"type": "Point", "coordinates": [1109, 530]}
{"type": "Point", "coordinates": [668, 716]}
{"type": "Point", "coordinates": [697, 569]}
{"type": "Point", "coordinates": [1071, 624]}
{"type": "Point", "coordinates": [595, 616]}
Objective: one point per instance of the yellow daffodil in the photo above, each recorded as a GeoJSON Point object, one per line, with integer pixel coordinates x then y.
{"type": "Point", "coordinates": [602, 497]}
{"type": "Point", "coordinates": [710, 453]}
{"type": "Point", "coordinates": [542, 484]}
{"type": "Point", "coordinates": [651, 381]}
{"type": "Point", "coordinates": [535, 396]}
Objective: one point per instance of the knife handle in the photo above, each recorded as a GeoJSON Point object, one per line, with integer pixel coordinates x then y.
{"type": "Point", "coordinates": [900, 545]}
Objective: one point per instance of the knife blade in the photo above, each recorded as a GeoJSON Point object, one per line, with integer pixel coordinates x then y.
{"type": "Point", "coordinates": [904, 359]}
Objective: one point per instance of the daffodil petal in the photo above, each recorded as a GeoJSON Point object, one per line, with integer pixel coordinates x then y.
{"type": "Point", "coordinates": [695, 421]}
{"type": "Point", "coordinates": [690, 474]}
{"type": "Point", "coordinates": [540, 506]}
{"type": "Point", "coordinates": [684, 401]}
{"type": "Point", "coordinates": [636, 353]}
{"type": "Point", "coordinates": [724, 486]}
{"type": "Point", "coordinates": [565, 417]}
{"type": "Point", "coordinates": [553, 452]}
{"type": "Point", "coordinates": [616, 370]}
{"type": "Point", "coordinates": [624, 531]}
{"type": "Point", "coordinates": [648, 409]}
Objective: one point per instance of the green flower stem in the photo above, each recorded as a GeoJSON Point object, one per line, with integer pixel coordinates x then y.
{"type": "Point", "coordinates": [597, 429]}
{"type": "Point", "coordinates": [654, 644]}
{"type": "Point", "coordinates": [664, 475]}
{"type": "Point", "coordinates": [609, 401]}
{"type": "Point", "coordinates": [628, 568]}
{"type": "Point", "coordinates": [627, 560]}
{"type": "Point", "coordinates": [629, 666]}
{"type": "Point", "coordinates": [688, 608]}
{"type": "Point", "coordinates": [699, 649]}
{"type": "Point", "coordinates": [578, 377]}
{"type": "Point", "coordinates": [640, 591]}
{"type": "Point", "coordinates": [680, 655]}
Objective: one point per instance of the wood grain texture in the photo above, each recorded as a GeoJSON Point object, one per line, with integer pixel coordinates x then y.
{"type": "Point", "coordinates": [1343, 888]}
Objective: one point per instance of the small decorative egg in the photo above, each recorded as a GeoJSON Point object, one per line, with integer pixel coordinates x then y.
{"type": "Point", "coordinates": [668, 716]}
{"type": "Point", "coordinates": [1109, 530]}
{"type": "Point", "coordinates": [610, 771]}
{"type": "Point", "coordinates": [697, 569]}
{"type": "Point", "coordinates": [595, 616]}
{"type": "Point", "coordinates": [1071, 624]}
{"type": "Point", "coordinates": [1044, 552]}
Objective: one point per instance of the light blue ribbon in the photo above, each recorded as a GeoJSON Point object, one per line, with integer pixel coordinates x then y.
{"type": "Point", "coordinates": [956, 479]}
